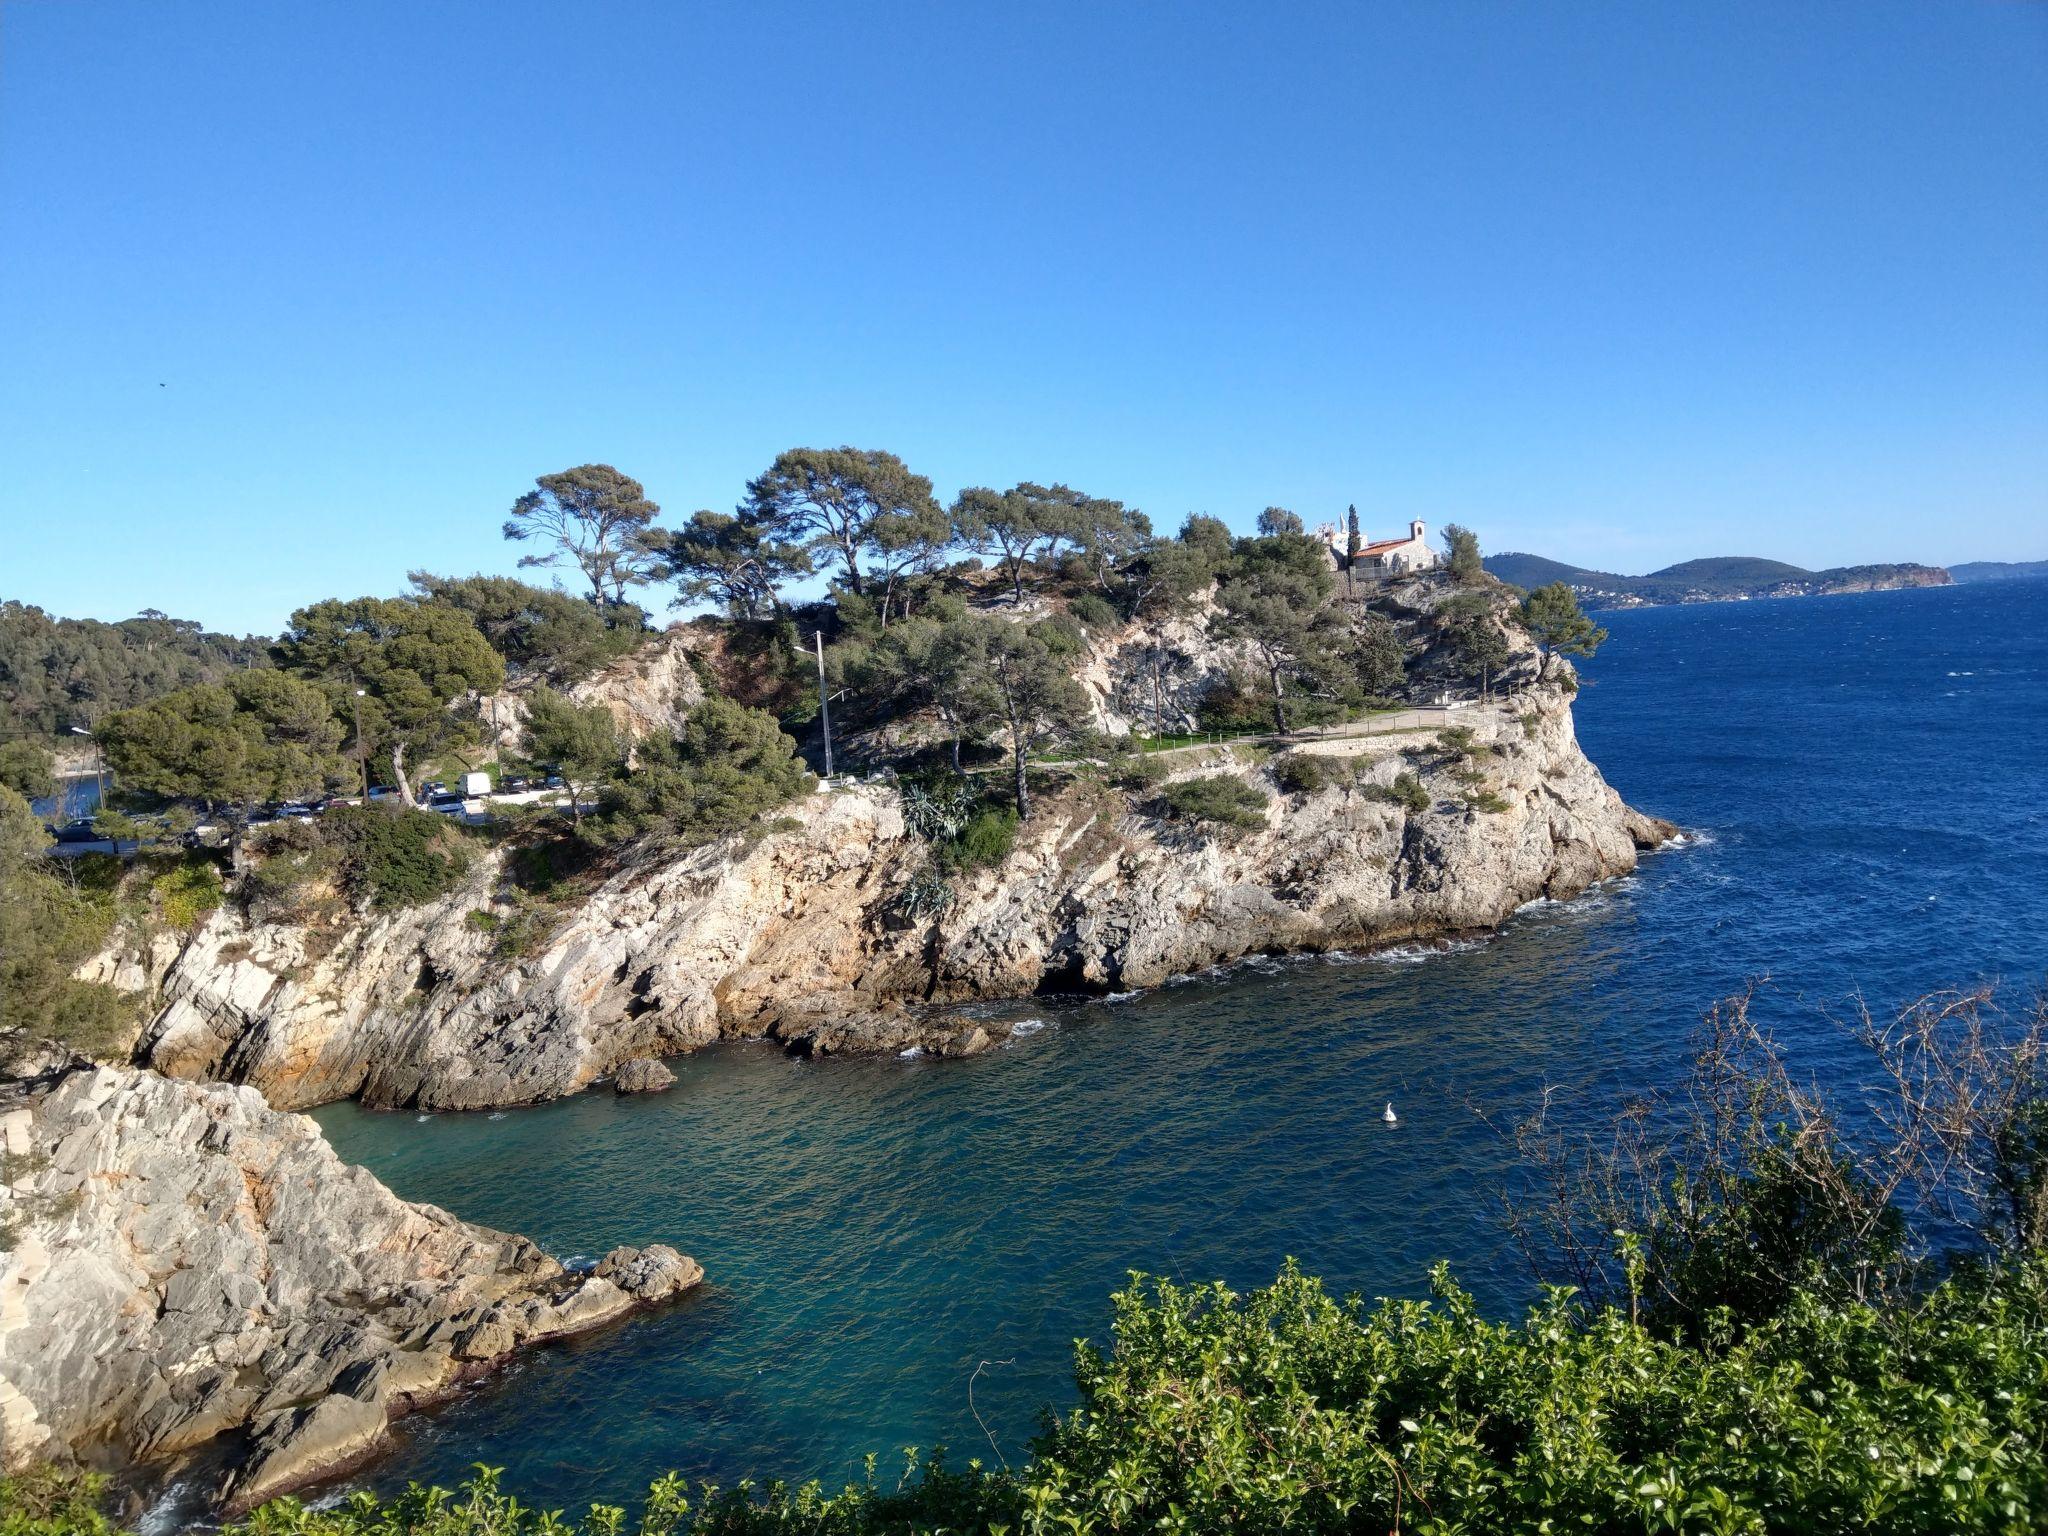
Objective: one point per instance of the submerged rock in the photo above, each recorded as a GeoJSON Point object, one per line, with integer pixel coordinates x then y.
{"type": "Point", "coordinates": [186, 1261]}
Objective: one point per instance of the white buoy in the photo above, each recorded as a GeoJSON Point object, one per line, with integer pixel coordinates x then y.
{"type": "Point", "coordinates": [1390, 1117]}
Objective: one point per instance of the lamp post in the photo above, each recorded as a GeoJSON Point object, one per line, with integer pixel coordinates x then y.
{"type": "Point", "coordinates": [362, 747]}
{"type": "Point", "coordinates": [99, 763]}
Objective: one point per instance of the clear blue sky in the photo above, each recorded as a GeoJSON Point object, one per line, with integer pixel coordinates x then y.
{"type": "Point", "coordinates": [296, 296]}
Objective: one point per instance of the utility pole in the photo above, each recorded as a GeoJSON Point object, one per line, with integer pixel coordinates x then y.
{"type": "Point", "coordinates": [362, 747]}
{"type": "Point", "coordinates": [824, 703]}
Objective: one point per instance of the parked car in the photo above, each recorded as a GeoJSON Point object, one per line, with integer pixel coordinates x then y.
{"type": "Point", "coordinates": [555, 781]}
{"type": "Point", "coordinates": [383, 791]}
{"type": "Point", "coordinates": [446, 805]}
{"type": "Point", "coordinates": [333, 800]}
{"type": "Point", "coordinates": [516, 786]}
{"type": "Point", "coordinates": [77, 832]}
{"type": "Point", "coordinates": [432, 788]}
{"type": "Point", "coordinates": [293, 810]}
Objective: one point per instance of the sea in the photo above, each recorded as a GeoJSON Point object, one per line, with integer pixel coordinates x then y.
{"type": "Point", "coordinates": [902, 1252]}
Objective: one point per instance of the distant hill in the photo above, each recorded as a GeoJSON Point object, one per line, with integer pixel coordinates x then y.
{"type": "Point", "coordinates": [1999, 570]}
{"type": "Point", "coordinates": [1720, 578]}
{"type": "Point", "coordinates": [57, 673]}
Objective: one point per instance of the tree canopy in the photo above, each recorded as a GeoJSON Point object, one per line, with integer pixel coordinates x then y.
{"type": "Point", "coordinates": [593, 518]}
{"type": "Point", "coordinates": [1558, 624]}
{"type": "Point", "coordinates": [862, 508]}
{"type": "Point", "coordinates": [539, 631]}
{"type": "Point", "coordinates": [259, 737]}
{"type": "Point", "coordinates": [413, 661]}
{"type": "Point", "coordinates": [731, 559]}
{"type": "Point", "coordinates": [1461, 550]}
{"type": "Point", "coordinates": [1001, 677]}
{"type": "Point", "coordinates": [579, 741]}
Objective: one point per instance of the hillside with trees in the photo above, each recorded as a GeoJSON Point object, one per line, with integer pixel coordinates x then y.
{"type": "Point", "coordinates": [57, 673]}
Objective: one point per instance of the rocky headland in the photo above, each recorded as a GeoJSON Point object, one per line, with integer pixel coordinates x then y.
{"type": "Point", "coordinates": [185, 1267]}
{"type": "Point", "coordinates": [798, 932]}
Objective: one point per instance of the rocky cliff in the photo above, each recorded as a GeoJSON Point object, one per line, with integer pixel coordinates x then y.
{"type": "Point", "coordinates": [802, 932]}
{"type": "Point", "coordinates": [181, 1262]}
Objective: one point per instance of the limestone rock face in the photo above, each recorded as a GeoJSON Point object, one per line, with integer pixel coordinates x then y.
{"type": "Point", "coordinates": [650, 692]}
{"type": "Point", "coordinates": [797, 934]}
{"type": "Point", "coordinates": [187, 1261]}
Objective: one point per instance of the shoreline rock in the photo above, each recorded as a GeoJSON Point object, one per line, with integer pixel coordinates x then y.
{"type": "Point", "coordinates": [643, 1074]}
{"type": "Point", "coordinates": [187, 1263]}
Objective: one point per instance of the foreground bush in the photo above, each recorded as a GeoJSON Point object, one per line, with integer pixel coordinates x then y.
{"type": "Point", "coordinates": [1287, 1410]}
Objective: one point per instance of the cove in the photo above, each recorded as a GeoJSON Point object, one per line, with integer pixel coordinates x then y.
{"type": "Point", "coordinates": [1862, 776]}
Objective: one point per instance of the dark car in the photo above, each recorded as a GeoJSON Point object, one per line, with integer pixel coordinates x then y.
{"type": "Point", "coordinates": [516, 786]}
{"type": "Point", "coordinates": [77, 832]}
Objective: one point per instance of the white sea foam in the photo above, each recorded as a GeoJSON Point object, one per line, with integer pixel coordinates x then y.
{"type": "Point", "coordinates": [1027, 1026]}
{"type": "Point", "coordinates": [911, 1054]}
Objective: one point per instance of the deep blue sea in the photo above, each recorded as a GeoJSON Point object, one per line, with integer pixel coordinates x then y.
{"type": "Point", "coordinates": [1866, 779]}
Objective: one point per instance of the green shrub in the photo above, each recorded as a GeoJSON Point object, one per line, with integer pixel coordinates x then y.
{"type": "Point", "coordinates": [1061, 635]}
{"type": "Point", "coordinates": [1406, 791]}
{"type": "Point", "coordinates": [1487, 800]}
{"type": "Point", "coordinates": [186, 892]}
{"type": "Point", "coordinates": [985, 841]}
{"type": "Point", "coordinates": [1531, 723]}
{"type": "Point", "coordinates": [1220, 798]}
{"type": "Point", "coordinates": [1303, 773]}
{"type": "Point", "coordinates": [1456, 740]}
{"type": "Point", "coordinates": [394, 856]}
{"type": "Point", "coordinates": [729, 765]}
{"type": "Point", "coordinates": [43, 1501]}
{"type": "Point", "coordinates": [1143, 771]}
{"type": "Point", "coordinates": [477, 920]}
{"type": "Point", "coordinates": [1094, 611]}
{"type": "Point", "coordinates": [1285, 1409]}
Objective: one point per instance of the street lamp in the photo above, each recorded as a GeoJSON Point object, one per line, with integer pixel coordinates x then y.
{"type": "Point", "coordinates": [99, 763]}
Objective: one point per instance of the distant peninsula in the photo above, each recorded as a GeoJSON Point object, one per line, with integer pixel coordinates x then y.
{"type": "Point", "coordinates": [1999, 570]}
{"type": "Point", "coordinates": [1718, 579]}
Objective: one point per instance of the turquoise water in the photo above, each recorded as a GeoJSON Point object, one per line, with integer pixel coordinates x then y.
{"type": "Point", "coordinates": [1865, 776]}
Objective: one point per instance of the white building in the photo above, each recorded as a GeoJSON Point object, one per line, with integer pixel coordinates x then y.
{"type": "Point", "coordinates": [1382, 557]}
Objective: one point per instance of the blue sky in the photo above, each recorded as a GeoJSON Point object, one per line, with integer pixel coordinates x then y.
{"type": "Point", "coordinates": [296, 297]}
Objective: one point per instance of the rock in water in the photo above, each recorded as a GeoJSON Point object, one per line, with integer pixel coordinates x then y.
{"type": "Point", "coordinates": [642, 1075]}
{"type": "Point", "coordinates": [186, 1261]}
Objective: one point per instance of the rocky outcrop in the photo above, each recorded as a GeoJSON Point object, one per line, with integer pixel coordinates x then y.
{"type": "Point", "coordinates": [642, 1075]}
{"type": "Point", "coordinates": [183, 1262]}
{"type": "Point", "coordinates": [804, 935]}
{"type": "Point", "coordinates": [650, 692]}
